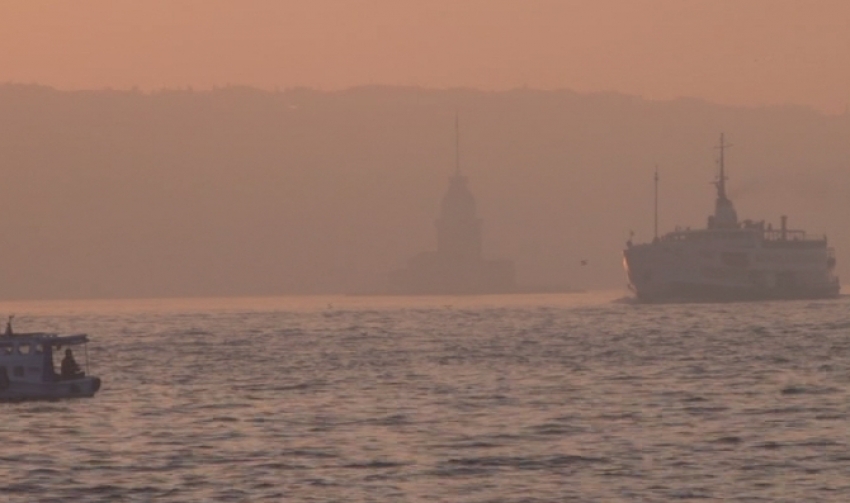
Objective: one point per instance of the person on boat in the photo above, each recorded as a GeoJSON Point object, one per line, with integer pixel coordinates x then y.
{"type": "Point", "coordinates": [70, 369]}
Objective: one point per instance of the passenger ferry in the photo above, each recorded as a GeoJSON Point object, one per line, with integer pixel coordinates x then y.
{"type": "Point", "coordinates": [28, 372]}
{"type": "Point", "coordinates": [731, 260]}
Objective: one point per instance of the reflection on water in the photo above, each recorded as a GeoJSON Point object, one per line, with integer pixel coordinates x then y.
{"type": "Point", "coordinates": [577, 397]}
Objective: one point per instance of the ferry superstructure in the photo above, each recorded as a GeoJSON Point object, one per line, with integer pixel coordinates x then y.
{"type": "Point", "coordinates": [731, 260]}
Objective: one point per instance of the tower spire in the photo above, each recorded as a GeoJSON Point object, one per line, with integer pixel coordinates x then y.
{"type": "Point", "coordinates": [457, 144]}
{"type": "Point", "coordinates": [656, 201]}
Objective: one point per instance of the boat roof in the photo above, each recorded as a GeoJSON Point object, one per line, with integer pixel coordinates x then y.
{"type": "Point", "coordinates": [47, 338]}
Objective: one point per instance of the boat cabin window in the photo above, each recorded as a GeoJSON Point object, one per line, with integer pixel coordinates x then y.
{"type": "Point", "coordinates": [5, 349]}
{"type": "Point", "coordinates": [39, 348]}
{"type": "Point", "coordinates": [18, 371]}
{"type": "Point", "coordinates": [24, 348]}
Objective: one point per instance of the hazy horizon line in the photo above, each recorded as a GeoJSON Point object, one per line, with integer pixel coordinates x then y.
{"type": "Point", "coordinates": [409, 87]}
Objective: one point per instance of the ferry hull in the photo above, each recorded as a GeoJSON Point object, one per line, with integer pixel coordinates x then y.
{"type": "Point", "coordinates": [692, 292]}
{"type": "Point", "coordinates": [660, 274]}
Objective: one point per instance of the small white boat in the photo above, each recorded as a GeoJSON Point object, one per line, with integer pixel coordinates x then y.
{"type": "Point", "coordinates": [27, 370]}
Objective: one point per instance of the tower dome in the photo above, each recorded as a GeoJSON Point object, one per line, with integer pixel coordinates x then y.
{"type": "Point", "coordinates": [458, 227]}
{"type": "Point", "coordinates": [458, 202]}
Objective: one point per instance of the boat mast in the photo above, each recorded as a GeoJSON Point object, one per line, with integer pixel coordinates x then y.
{"type": "Point", "coordinates": [656, 201]}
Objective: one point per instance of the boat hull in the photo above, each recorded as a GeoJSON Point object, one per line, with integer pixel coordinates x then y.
{"type": "Point", "coordinates": [84, 387]}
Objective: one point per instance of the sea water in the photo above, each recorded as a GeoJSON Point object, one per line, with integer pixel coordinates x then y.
{"type": "Point", "coordinates": [574, 397]}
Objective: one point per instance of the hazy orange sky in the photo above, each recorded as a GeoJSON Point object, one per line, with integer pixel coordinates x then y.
{"type": "Point", "coordinates": [743, 52]}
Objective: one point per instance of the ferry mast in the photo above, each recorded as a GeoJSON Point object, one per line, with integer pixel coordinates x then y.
{"type": "Point", "coordinates": [721, 180]}
{"type": "Point", "coordinates": [725, 216]}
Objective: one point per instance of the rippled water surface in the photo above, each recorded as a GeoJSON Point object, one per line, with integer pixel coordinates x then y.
{"type": "Point", "coordinates": [494, 399]}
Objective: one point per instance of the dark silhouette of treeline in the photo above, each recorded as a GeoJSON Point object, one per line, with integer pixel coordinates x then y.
{"type": "Point", "coordinates": [238, 191]}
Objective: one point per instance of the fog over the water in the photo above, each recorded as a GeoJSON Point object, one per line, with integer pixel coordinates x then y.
{"type": "Point", "coordinates": [239, 191]}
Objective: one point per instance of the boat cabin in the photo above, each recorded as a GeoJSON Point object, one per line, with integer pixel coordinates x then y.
{"type": "Point", "coordinates": [29, 357]}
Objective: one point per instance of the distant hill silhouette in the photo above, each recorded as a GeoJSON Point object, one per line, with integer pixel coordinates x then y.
{"type": "Point", "coordinates": [237, 191]}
